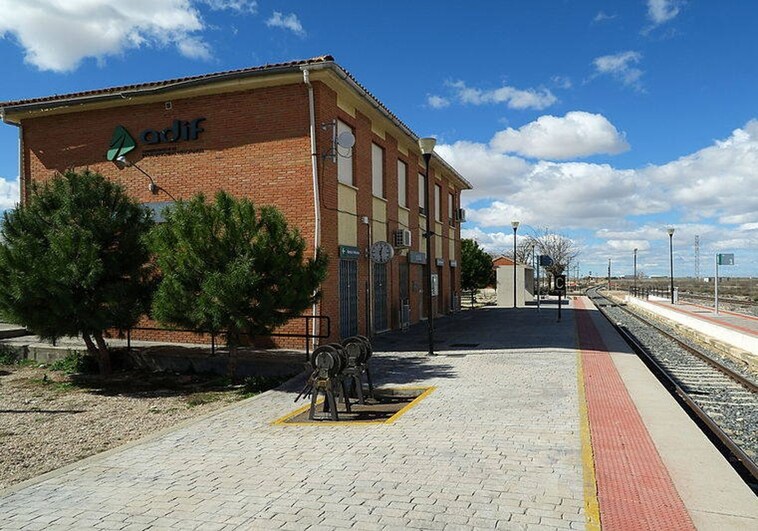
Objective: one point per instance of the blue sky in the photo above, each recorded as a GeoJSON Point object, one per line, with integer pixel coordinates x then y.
{"type": "Point", "coordinates": [605, 121]}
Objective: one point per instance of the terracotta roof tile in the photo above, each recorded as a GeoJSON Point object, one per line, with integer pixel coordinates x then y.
{"type": "Point", "coordinates": [168, 82]}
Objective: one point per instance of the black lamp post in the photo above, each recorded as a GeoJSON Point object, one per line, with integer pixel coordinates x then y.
{"type": "Point", "coordinates": [670, 230]}
{"type": "Point", "coordinates": [514, 224]}
{"type": "Point", "coordinates": [427, 147]}
{"type": "Point", "coordinates": [635, 271]}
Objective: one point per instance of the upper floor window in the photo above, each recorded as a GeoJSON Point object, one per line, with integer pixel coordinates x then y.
{"type": "Point", "coordinates": [421, 194]}
{"type": "Point", "coordinates": [402, 184]}
{"type": "Point", "coordinates": [437, 201]}
{"type": "Point", "coordinates": [377, 170]}
{"type": "Point", "coordinates": [344, 164]}
{"type": "Point", "coordinates": [450, 211]}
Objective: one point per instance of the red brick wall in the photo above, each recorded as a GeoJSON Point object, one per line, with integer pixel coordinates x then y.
{"type": "Point", "coordinates": [255, 144]}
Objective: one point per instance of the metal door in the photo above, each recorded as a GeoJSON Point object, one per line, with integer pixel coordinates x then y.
{"type": "Point", "coordinates": [380, 298]}
{"type": "Point", "coordinates": [405, 309]}
{"type": "Point", "coordinates": [348, 298]}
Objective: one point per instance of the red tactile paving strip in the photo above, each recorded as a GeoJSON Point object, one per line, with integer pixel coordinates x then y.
{"type": "Point", "coordinates": [634, 487]}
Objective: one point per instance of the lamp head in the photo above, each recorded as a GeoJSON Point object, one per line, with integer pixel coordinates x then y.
{"type": "Point", "coordinates": [514, 224]}
{"type": "Point", "coordinates": [122, 162]}
{"type": "Point", "coordinates": [670, 230]}
{"type": "Point", "coordinates": [426, 145]}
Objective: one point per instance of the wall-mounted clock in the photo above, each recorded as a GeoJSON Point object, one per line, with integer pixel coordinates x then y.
{"type": "Point", "coordinates": [381, 252]}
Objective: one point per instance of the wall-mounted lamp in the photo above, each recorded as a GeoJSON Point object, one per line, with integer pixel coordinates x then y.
{"type": "Point", "coordinates": [122, 162]}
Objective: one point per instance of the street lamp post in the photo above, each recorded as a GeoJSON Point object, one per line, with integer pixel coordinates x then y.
{"type": "Point", "coordinates": [514, 224]}
{"type": "Point", "coordinates": [670, 230]}
{"type": "Point", "coordinates": [427, 147]}
{"type": "Point", "coordinates": [609, 274]}
{"type": "Point", "coordinates": [635, 271]}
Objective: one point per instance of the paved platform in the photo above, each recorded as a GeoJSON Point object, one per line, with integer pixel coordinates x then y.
{"type": "Point", "coordinates": [733, 333]}
{"type": "Point", "coordinates": [531, 426]}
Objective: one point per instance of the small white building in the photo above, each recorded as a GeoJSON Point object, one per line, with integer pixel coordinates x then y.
{"type": "Point", "coordinates": [524, 285]}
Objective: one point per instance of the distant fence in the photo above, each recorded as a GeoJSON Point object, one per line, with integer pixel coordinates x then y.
{"type": "Point", "coordinates": [307, 334]}
{"type": "Point", "coordinates": [646, 292]}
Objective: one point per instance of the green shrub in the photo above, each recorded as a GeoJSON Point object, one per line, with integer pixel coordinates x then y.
{"type": "Point", "coordinates": [75, 363]}
{"type": "Point", "coordinates": [255, 385]}
{"type": "Point", "coordinates": [8, 356]}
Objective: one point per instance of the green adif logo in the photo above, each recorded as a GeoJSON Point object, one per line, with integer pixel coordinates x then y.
{"type": "Point", "coordinates": [121, 143]}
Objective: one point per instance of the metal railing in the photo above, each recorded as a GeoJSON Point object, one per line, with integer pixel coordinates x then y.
{"type": "Point", "coordinates": [307, 335]}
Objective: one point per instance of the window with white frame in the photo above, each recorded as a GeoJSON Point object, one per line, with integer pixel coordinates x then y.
{"type": "Point", "coordinates": [377, 170]}
{"type": "Point", "coordinates": [344, 164]}
{"type": "Point", "coordinates": [402, 184]}
{"type": "Point", "coordinates": [421, 194]}
{"type": "Point", "coordinates": [437, 205]}
{"type": "Point", "coordinates": [450, 203]}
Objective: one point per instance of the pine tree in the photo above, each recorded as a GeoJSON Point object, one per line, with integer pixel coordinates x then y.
{"type": "Point", "coordinates": [229, 267]}
{"type": "Point", "coordinates": [476, 267]}
{"type": "Point", "coordinates": [74, 261]}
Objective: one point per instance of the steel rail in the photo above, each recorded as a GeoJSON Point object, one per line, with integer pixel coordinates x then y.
{"type": "Point", "coordinates": [737, 377]}
{"type": "Point", "coordinates": [737, 452]}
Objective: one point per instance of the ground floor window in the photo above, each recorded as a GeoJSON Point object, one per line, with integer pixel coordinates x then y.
{"type": "Point", "coordinates": [348, 298]}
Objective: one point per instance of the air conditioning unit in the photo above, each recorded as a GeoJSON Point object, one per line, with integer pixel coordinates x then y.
{"type": "Point", "coordinates": [402, 238]}
{"type": "Point", "coordinates": [460, 215]}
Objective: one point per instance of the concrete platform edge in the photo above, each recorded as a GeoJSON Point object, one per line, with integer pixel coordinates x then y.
{"type": "Point", "coordinates": [714, 495]}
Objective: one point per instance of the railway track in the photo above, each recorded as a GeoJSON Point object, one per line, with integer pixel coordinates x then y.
{"type": "Point", "coordinates": [747, 307]}
{"type": "Point", "coordinates": [723, 400]}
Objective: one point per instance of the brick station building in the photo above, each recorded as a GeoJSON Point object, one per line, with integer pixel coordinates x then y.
{"type": "Point", "coordinates": [269, 133]}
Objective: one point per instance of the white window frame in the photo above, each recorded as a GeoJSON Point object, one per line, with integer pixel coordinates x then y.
{"type": "Point", "coordinates": [402, 183]}
{"type": "Point", "coordinates": [437, 202]}
{"type": "Point", "coordinates": [377, 170]}
{"type": "Point", "coordinates": [422, 194]}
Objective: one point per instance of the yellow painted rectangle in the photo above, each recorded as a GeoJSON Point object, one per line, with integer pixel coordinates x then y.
{"type": "Point", "coordinates": [403, 217]}
{"type": "Point", "coordinates": [379, 215]}
{"type": "Point", "coordinates": [426, 391]}
{"type": "Point", "coordinates": [438, 240]}
{"type": "Point", "coordinates": [345, 105]}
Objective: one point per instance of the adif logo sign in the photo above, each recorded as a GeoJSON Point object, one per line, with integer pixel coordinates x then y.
{"type": "Point", "coordinates": [122, 142]}
{"type": "Point", "coordinates": [180, 130]}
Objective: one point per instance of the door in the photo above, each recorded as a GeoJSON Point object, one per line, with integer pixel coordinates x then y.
{"type": "Point", "coordinates": [348, 298]}
{"type": "Point", "coordinates": [440, 292]}
{"type": "Point", "coordinates": [404, 289]}
{"type": "Point", "coordinates": [380, 298]}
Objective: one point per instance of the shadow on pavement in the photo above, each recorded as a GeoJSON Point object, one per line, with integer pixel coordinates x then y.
{"type": "Point", "coordinates": [486, 329]}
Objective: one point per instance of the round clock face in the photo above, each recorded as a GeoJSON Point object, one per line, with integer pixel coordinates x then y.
{"type": "Point", "coordinates": [382, 252]}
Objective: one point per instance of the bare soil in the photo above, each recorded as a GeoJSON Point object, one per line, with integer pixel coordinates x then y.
{"type": "Point", "coordinates": [49, 419]}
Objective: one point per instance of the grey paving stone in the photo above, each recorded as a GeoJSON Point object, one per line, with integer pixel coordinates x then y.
{"type": "Point", "coordinates": [497, 442]}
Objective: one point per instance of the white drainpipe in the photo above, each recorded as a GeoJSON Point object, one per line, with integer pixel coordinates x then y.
{"type": "Point", "coordinates": [314, 164]}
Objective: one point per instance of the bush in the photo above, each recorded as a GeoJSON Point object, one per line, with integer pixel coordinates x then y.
{"type": "Point", "coordinates": [8, 356]}
{"type": "Point", "coordinates": [75, 363]}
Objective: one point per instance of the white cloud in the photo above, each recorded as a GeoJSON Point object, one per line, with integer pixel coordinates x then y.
{"type": "Point", "coordinates": [437, 102]}
{"type": "Point", "coordinates": [290, 22]}
{"type": "Point", "coordinates": [715, 182]}
{"type": "Point", "coordinates": [195, 48]}
{"type": "Point", "coordinates": [577, 134]}
{"type": "Point", "coordinates": [602, 16]}
{"type": "Point", "coordinates": [58, 35]}
{"type": "Point", "coordinates": [514, 98]}
{"type": "Point", "coordinates": [620, 66]}
{"type": "Point", "coordinates": [241, 6]}
{"type": "Point", "coordinates": [9, 193]}
{"type": "Point", "coordinates": [563, 82]}
{"type": "Point", "coordinates": [660, 11]}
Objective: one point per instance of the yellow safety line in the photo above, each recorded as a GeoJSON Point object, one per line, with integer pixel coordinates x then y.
{"type": "Point", "coordinates": [282, 421]}
{"type": "Point", "coordinates": [591, 504]}
{"type": "Point", "coordinates": [415, 402]}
